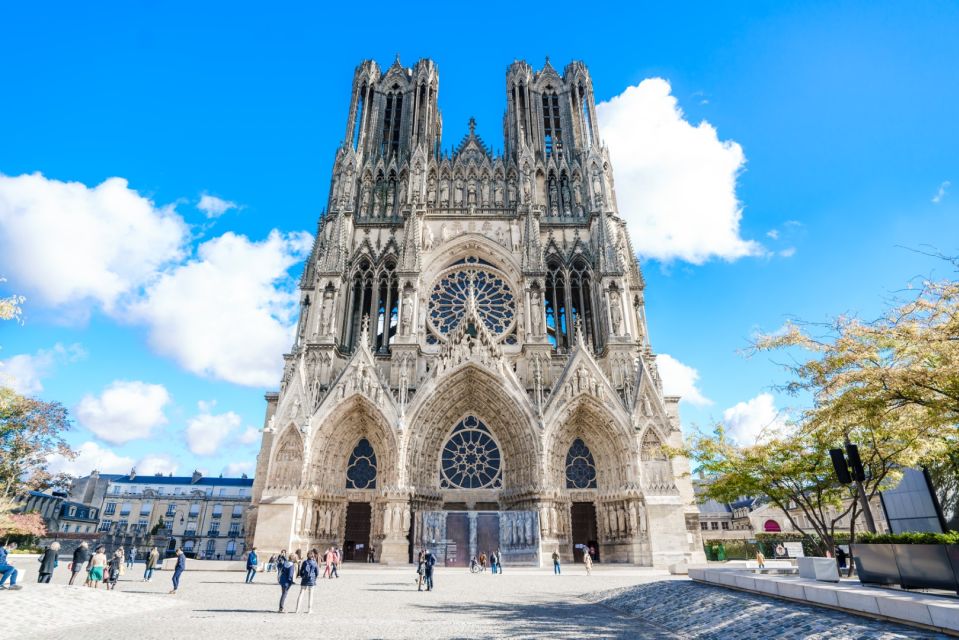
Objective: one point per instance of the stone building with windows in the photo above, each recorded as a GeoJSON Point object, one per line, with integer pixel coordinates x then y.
{"type": "Point", "coordinates": [206, 516]}
{"type": "Point", "coordinates": [472, 369]}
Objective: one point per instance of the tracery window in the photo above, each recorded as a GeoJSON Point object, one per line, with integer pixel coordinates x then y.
{"type": "Point", "coordinates": [391, 122]}
{"type": "Point", "coordinates": [471, 458]}
{"type": "Point", "coordinates": [569, 296]}
{"type": "Point", "coordinates": [551, 121]}
{"type": "Point", "coordinates": [361, 470]}
{"type": "Point", "coordinates": [373, 293]}
{"type": "Point", "coordinates": [494, 298]}
{"type": "Point", "coordinates": [580, 467]}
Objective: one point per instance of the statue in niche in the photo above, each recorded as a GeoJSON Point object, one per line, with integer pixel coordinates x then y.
{"type": "Point", "coordinates": [527, 190]}
{"type": "Point", "coordinates": [577, 197]}
{"type": "Point", "coordinates": [431, 191]}
{"type": "Point", "coordinates": [616, 312]}
{"type": "Point", "coordinates": [499, 236]}
{"type": "Point", "coordinates": [444, 192]}
{"type": "Point", "coordinates": [458, 192]}
{"type": "Point", "coordinates": [597, 188]}
{"type": "Point", "coordinates": [566, 197]}
{"type": "Point", "coordinates": [536, 312]}
{"type": "Point", "coordinates": [377, 199]}
{"type": "Point", "coordinates": [406, 319]}
{"type": "Point", "coordinates": [497, 193]}
{"type": "Point", "coordinates": [427, 237]}
{"type": "Point", "coordinates": [326, 314]}
{"type": "Point", "coordinates": [632, 519]}
{"type": "Point", "coordinates": [553, 197]}
{"type": "Point", "coordinates": [365, 196]}
{"type": "Point", "coordinates": [471, 193]}
{"type": "Point", "coordinates": [390, 197]}
{"type": "Point", "coordinates": [529, 528]}
{"type": "Point", "coordinates": [484, 192]}
{"type": "Point", "coordinates": [511, 193]}
{"type": "Point", "coordinates": [346, 191]}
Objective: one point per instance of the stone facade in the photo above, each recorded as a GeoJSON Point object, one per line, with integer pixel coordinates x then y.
{"type": "Point", "coordinates": [472, 337]}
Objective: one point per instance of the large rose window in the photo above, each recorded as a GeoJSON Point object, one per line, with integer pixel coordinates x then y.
{"type": "Point", "coordinates": [495, 302]}
{"type": "Point", "coordinates": [470, 458]}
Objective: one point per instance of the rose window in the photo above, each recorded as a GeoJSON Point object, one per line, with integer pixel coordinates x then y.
{"type": "Point", "coordinates": [470, 458]}
{"type": "Point", "coordinates": [361, 469]}
{"type": "Point", "coordinates": [495, 302]}
{"type": "Point", "coordinates": [580, 468]}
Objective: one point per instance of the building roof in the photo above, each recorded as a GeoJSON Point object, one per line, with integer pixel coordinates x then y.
{"type": "Point", "coordinates": [186, 480]}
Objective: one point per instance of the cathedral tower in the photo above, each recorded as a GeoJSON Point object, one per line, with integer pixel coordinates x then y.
{"type": "Point", "coordinates": [472, 369]}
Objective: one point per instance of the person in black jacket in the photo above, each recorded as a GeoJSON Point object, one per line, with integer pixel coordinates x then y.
{"type": "Point", "coordinates": [48, 562]}
{"type": "Point", "coordinates": [81, 555]}
{"type": "Point", "coordinates": [429, 560]}
{"type": "Point", "coordinates": [287, 574]}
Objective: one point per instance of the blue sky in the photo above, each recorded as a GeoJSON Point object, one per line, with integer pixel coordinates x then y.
{"type": "Point", "coordinates": [845, 115]}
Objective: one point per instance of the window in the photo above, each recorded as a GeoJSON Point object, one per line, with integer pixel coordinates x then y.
{"type": "Point", "coordinates": [105, 525]}
{"type": "Point", "coordinates": [65, 527]}
{"type": "Point", "coordinates": [237, 510]}
{"type": "Point", "coordinates": [231, 548]}
{"type": "Point", "coordinates": [725, 526]}
{"type": "Point", "coordinates": [116, 489]}
{"type": "Point", "coordinates": [121, 526]}
{"type": "Point", "coordinates": [188, 546]}
{"type": "Point", "coordinates": [234, 529]}
{"type": "Point", "coordinates": [190, 528]}
{"type": "Point", "coordinates": [772, 526]}
{"type": "Point", "coordinates": [580, 468]}
{"type": "Point", "coordinates": [373, 294]}
{"type": "Point", "coordinates": [141, 525]}
{"type": "Point", "coordinates": [392, 121]}
{"type": "Point", "coordinates": [125, 509]}
{"type": "Point", "coordinates": [551, 123]}
{"type": "Point", "coordinates": [210, 547]}
{"type": "Point", "coordinates": [493, 294]}
{"type": "Point", "coordinates": [217, 510]}
{"type": "Point", "coordinates": [471, 458]}
{"type": "Point", "coordinates": [358, 115]}
{"type": "Point", "coordinates": [214, 529]}
{"type": "Point", "coordinates": [146, 508]}
{"type": "Point", "coordinates": [110, 509]}
{"type": "Point", "coordinates": [361, 470]}
{"type": "Point", "coordinates": [194, 509]}
{"type": "Point", "coordinates": [222, 492]}
{"type": "Point", "coordinates": [73, 511]}
{"type": "Point", "coordinates": [704, 526]}
{"type": "Point", "coordinates": [713, 525]}
{"type": "Point", "coordinates": [587, 118]}
{"type": "Point", "coordinates": [171, 509]}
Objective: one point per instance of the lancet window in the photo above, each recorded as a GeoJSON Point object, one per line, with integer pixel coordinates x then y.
{"type": "Point", "coordinates": [551, 121]}
{"type": "Point", "coordinates": [569, 297]}
{"type": "Point", "coordinates": [393, 116]}
{"type": "Point", "coordinates": [373, 293]}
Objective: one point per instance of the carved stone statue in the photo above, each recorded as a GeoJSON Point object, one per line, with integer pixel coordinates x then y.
{"type": "Point", "coordinates": [444, 192]}
{"type": "Point", "coordinates": [536, 313]}
{"type": "Point", "coordinates": [427, 237]}
{"type": "Point", "coordinates": [616, 312]}
{"type": "Point", "coordinates": [431, 191]}
{"type": "Point", "coordinates": [406, 315]}
{"type": "Point", "coordinates": [498, 193]}
{"type": "Point", "coordinates": [326, 314]}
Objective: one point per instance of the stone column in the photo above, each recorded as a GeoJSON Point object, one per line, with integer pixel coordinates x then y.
{"type": "Point", "coordinates": [472, 519]}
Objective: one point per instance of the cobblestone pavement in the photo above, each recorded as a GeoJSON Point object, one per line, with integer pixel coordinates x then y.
{"type": "Point", "coordinates": [369, 601]}
{"type": "Point", "coordinates": [707, 612]}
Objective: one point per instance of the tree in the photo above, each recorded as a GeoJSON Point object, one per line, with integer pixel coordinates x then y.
{"type": "Point", "coordinates": [29, 525]}
{"type": "Point", "coordinates": [10, 306]}
{"type": "Point", "coordinates": [30, 431]}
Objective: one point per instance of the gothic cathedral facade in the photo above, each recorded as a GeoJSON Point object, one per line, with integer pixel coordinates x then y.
{"type": "Point", "coordinates": [472, 368]}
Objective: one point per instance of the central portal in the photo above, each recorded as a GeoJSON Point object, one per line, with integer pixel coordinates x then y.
{"type": "Point", "coordinates": [356, 542]}
{"type": "Point", "coordinates": [456, 536]}
{"type": "Point", "coordinates": [584, 530]}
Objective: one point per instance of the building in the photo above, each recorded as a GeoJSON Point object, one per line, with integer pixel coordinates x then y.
{"type": "Point", "coordinates": [66, 520]}
{"type": "Point", "coordinates": [206, 516]}
{"type": "Point", "coordinates": [472, 368]}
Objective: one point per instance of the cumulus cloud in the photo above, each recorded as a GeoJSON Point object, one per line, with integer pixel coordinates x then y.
{"type": "Point", "coordinates": [941, 192]}
{"type": "Point", "coordinates": [746, 421]}
{"type": "Point", "coordinates": [214, 207]}
{"type": "Point", "coordinates": [65, 243]}
{"type": "Point", "coordinates": [231, 312]}
{"type": "Point", "coordinates": [249, 436]}
{"type": "Point", "coordinates": [675, 181]}
{"type": "Point", "coordinates": [680, 380]}
{"type": "Point", "coordinates": [90, 457]}
{"type": "Point", "coordinates": [206, 432]}
{"type": "Point", "coordinates": [235, 469]}
{"type": "Point", "coordinates": [154, 463]}
{"type": "Point", "coordinates": [125, 411]}
{"type": "Point", "coordinates": [24, 372]}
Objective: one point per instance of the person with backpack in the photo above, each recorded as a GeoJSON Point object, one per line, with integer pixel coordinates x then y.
{"type": "Point", "coordinates": [287, 573]}
{"type": "Point", "coordinates": [309, 572]}
{"type": "Point", "coordinates": [251, 561]}
{"type": "Point", "coordinates": [429, 561]}
{"type": "Point", "coordinates": [280, 561]}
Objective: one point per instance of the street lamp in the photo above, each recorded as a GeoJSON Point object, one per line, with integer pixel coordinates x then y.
{"type": "Point", "coordinates": [851, 471]}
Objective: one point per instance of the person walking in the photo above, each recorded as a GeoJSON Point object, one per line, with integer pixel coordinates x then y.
{"type": "Point", "coordinates": [251, 561]}
{"type": "Point", "coordinates": [499, 562]}
{"type": "Point", "coordinates": [760, 560]}
{"type": "Point", "coordinates": [113, 569]}
{"type": "Point", "coordinates": [81, 556]}
{"type": "Point", "coordinates": [429, 561]}
{"type": "Point", "coordinates": [132, 557]}
{"type": "Point", "coordinates": [556, 569]}
{"type": "Point", "coordinates": [151, 564]}
{"type": "Point", "coordinates": [7, 570]}
{"type": "Point", "coordinates": [280, 561]}
{"type": "Point", "coordinates": [178, 570]}
{"type": "Point", "coordinates": [309, 571]}
{"type": "Point", "coordinates": [588, 562]}
{"type": "Point", "coordinates": [48, 562]}
{"type": "Point", "coordinates": [98, 563]}
{"type": "Point", "coordinates": [335, 571]}
{"type": "Point", "coordinates": [420, 569]}
{"type": "Point", "coordinates": [286, 576]}
{"type": "Point", "coordinates": [270, 564]}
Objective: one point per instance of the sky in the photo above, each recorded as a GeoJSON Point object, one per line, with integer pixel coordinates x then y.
{"type": "Point", "coordinates": [163, 166]}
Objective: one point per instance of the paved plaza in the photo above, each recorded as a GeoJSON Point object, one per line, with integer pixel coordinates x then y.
{"type": "Point", "coordinates": [379, 602]}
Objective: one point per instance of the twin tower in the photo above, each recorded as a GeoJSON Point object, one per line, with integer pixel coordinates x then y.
{"type": "Point", "coordinates": [472, 369]}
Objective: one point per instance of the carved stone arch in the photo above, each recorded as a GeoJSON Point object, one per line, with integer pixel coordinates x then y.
{"type": "Point", "coordinates": [473, 245]}
{"type": "Point", "coordinates": [440, 405]}
{"type": "Point", "coordinates": [335, 437]}
{"type": "Point", "coordinates": [286, 464]}
{"type": "Point", "coordinates": [609, 440]}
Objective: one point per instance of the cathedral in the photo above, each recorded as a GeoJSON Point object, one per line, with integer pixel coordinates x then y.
{"type": "Point", "coordinates": [472, 370]}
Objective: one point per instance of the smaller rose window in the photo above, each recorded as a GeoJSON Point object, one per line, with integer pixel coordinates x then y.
{"type": "Point", "coordinates": [470, 458]}
{"type": "Point", "coordinates": [580, 468]}
{"type": "Point", "coordinates": [361, 470]}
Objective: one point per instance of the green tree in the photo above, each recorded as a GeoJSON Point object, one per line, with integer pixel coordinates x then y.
{"type": "Point", "coordinates": [30, 431]}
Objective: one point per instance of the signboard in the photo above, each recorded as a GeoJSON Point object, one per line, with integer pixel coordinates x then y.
{"type": "Point", "coordinates": [794, 549]}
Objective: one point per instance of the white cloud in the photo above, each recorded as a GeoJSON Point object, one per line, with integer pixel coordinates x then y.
{"type": "Point", "coordinates": [773, 233]}
{"type": "Point", "coordinates": [154, 463]}
{"type": "Point", "coordinates": [207, 431]}
{"type": "Point", "coordinates": [214, 207]}
{"type": "Point", "coordinates": [941, 192]}
{"type": "Point", "coordinates": [249, 436]}
{"type": "Point", "coordinates": [788, 252]}
{"type": "Point", "coordinates": [235, 469]}
{"type": "Point", "coordinates": [64, 243]}
{"type": "Point", "coordinates": [23, 372]}
{"type": "Point", "coordinates": [230, 313]}
{"type": "Point", "coordinates": [126, 410]}
{"type": "Point", "coordinates": [90, 456]}
{"type": "Point", "coordinates": [675, 182]}
{"type": "Point", "coordinates": [746, 421]}
{"type": "Point", "coordinates": [680, 380]}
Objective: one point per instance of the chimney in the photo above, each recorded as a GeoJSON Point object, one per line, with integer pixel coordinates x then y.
{"type": "Point", "coordinates": [196, 477]}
